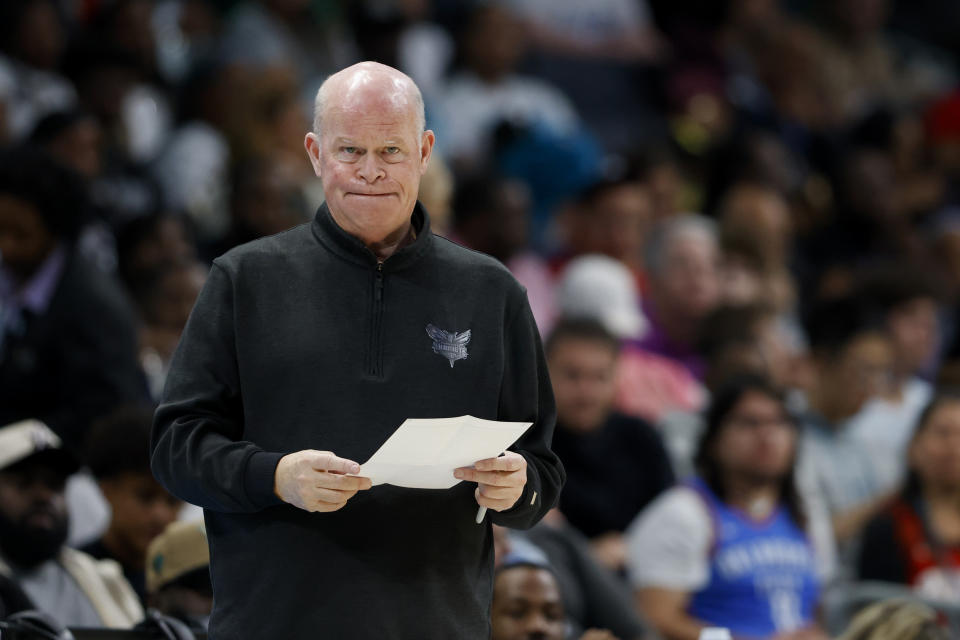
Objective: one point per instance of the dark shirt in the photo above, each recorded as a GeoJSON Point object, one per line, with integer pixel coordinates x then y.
{"type": "Point", "coordinates": [612, 473]}
{"type": "Point", "coordinates": [299, 341]}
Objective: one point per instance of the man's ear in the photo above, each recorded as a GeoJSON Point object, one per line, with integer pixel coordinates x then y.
{"type": "Point", "coordinates": [426, 149]}
{"type": "Point", "coordinates": [311, 142]}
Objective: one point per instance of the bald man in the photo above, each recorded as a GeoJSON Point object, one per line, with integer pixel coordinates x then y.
{"type": "Point", "coordinates": [306, 350]}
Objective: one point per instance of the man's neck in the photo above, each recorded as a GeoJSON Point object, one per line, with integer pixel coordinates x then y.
{"type": "Point", "coordinates": [397, 240]}
{"type": "Point", "coordinates": [756, 499]}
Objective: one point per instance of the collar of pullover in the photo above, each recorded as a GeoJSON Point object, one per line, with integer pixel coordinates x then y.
{"type": "Point", "coordinates": [335, 239]}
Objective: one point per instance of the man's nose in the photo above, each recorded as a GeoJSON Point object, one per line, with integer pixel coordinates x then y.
{"type": "Point", "coordinates": [371, 168]}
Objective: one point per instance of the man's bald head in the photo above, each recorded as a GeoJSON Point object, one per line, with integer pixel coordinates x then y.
{"type": "Point", "coordinates": [364, 85]}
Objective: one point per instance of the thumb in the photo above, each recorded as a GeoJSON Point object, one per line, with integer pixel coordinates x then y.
{"type": "Point", "coordinates": [327, 461]}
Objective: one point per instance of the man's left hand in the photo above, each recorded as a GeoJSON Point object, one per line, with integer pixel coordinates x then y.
{"type": "Point", "coordinates": [499, 480]}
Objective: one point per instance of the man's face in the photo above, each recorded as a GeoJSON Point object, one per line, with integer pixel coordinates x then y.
{"type": "Point", "coordinates": [915, 331]}
{"type": "Point", "coordinates": [141, 508]}
{"type": "Point", "coordinates": [33, 513]}
{"type": "Point", "coordinates": [863, 370]}
{"type": "Point", "coordinates": [583, 373]}
{"type": "Point", "coordinates": [370, 158]}
{"type": "Point", "coordinates": [527, 606]}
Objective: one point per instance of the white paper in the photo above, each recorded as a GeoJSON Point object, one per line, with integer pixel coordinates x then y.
{"type": "Point", "coordinates": [423, 452]}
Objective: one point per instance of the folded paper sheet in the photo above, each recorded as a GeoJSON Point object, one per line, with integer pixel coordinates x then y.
{"type": "Point", "coordinates": [423, 452]}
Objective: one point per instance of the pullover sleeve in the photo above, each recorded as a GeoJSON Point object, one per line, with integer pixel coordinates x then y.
{"type": "Point", "coordinates": [197, 450]}
{"type": "Point", "coordinates": [526, 395]}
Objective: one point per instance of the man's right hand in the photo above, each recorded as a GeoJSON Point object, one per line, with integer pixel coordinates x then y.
{"type": "Point", "coordinates": [317, 480]}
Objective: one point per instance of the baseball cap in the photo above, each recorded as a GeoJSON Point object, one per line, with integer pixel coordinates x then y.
{"type": "Point", "coordinates": [32, 438]}
{"type": "Point", "coordinates": [180, 549]}
{"type": "Point", "coordinates": [602, 289]}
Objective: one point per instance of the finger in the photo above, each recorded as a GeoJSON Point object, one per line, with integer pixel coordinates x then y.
{"type": "Point", "coordinates": [331, 496]}
{"type": "Point", "coordinates": [509, 461]}
{"type": "Point", "coordinates": [327, 461]}
{"type": "Point", "coordinates": [495, 478]}
{"type": "Point", "coordinates": [327, 507]}
{"type": "Point", "coordinates": [490, 503]}
{"type": "Point", "coordinates": [499, 493]}
{"type": "Point", "coordinates": [328, 480]}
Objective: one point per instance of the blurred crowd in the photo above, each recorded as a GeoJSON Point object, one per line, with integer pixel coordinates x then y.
{"type": "Point", "coordinates": [737, 221]}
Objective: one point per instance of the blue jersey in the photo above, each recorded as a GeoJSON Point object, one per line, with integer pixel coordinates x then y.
{"type": "Point", "coordinates": [762, 574]}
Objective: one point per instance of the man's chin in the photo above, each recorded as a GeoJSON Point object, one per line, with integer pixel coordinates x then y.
{"type": "Point", "coordinates": [28, 546]}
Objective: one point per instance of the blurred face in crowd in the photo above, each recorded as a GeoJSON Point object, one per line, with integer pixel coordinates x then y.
{"type": "Point", "coordinates": [168, 242]}
{"type": "Point", "coordinates": [269, 201]}
{"type": "Point", "coordinates": [33, 512]}
{"type": "Point", "coordinates": [763, 214]}
{"type": "Point", "coordinates": [370, 154]}
{"type": "Point", "coordinates": [915, 331]}
{"type": "Point", "coordinates": [493, 43]}
{"type": "Point", "coordinates": [527, 606]}
{"type": "Point", "coordinates": [141, 509]}
{"type": "Point", "coordinates": [620, 219]}
{"type": "Point", "coordinates": [25, 240]}
{"type": "Point", "coordinates": [79, 147]}
{"type": "Point", "coordinates": [935, 451]}
{"type": "Point", "coordinates": [175, 296]}
{"type": "Point", "coordinates": [39, 38]}
{"type": "Point", "coordinates": [863, 370]}
{"type": "Point", "coordinates": [502, 230]}
{"type": "Point", "coordinates": [583, 373]}
{"type": "Point", "coordinates": [757, 440]}
{"type": "Point", "coordinates": [688, 282]}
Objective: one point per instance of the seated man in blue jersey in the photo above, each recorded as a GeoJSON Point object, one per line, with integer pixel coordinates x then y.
{"type": "Point", "coordinates": [734, 547]}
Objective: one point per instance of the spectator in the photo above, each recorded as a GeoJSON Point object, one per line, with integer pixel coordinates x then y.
{"type": "Point", "coordinates": [615, 464]}
{"type": "Point", "coordinates": [69, 349]}
{"type": "Point", "coordinates": [907, 304]}
{"type": "Point", "coordinates": [492, 215]}
{"type": "Point", "coordinates": [117, 454]}
{"type": "Point", "coordinates": [147, 244]}
{"type": "Point", "coordinates": [178, 574]}
{"type": "Point", "coordinates": [70, 585]}
{"type": "Point", "coordinates": [488, 90]}
{"type": "Point", "coordinates": [527, 604]}
{"type": "Point", "coordinates": [592, 595]}
{"type": "Point", "coordinates": [682, 261]}
{"type": "Point", "coordinates": [916, 541]}
{"type": "Point", "coordinates": [735, 547]}
{"type": "Point", "coordinates": [758, 216]}
{"type": "Point", "coordinates": [853, 362]}
{"type": "Point", "coordinates": [32, 41]}
{"type": "Point", "coordinates": [613, 218]}
{"type": "Point", "coordinates": [165, 298]}
{"type": "Point", "coordinates": [648, 384]}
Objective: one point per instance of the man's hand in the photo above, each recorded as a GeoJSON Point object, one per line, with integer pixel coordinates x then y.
{"type": "Point", "coordinates": [315, 480]}
{"type": "Point", "coordinates": [499, 480]}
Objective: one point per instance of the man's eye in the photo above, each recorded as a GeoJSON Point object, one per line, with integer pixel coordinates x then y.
{"type": "Point", "coordinates": [392, 150]}
{"type": "Point", "coordinates": [350, 150]}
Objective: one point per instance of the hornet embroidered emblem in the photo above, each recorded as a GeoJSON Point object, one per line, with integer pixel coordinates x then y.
{"type": "Point", "coordinates": [449, 344]}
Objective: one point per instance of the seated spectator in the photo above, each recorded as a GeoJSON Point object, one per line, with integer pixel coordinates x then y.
{"type": "Point", "coordinates": [70, 585]}
{"type": "Point", "coordinates": [907, 303]}
{"type": "Point", "coordinates": [492, 215]}
{"type": "Point", "coordinates": [852, 358]}
{"type": "Point", "coordinates": [487, 90]}
{"type": "Point", "coordinates": [178, 574]}
{"type": "Point", "coordinates": [527, 604]}
{"type": "Point", "coordinates": [117, 454]}
{"type": "Point", "coordinates": [615, 464]}
{"type": "Point", "coordinates": [67, 338]}
{"type": "Point", "coordinates": [146, 244]}
{"type": "Point", "coordinates": [648, 384]}
{"type": "Point", "coordinates": [895, 620]}
{"type": "Point", "coordinates": [682, 263]}
{"type": "Point", "coordinates": [916, 541]}
{"type": "Point", "coordinates": [734, 547]}
{"type": "Point", "coordinates": [592, 595]}
{"type": "Point", "coordinates": [164, 298]}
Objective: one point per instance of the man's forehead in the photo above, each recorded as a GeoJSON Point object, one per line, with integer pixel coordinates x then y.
{"type": "Point", "coordinates": [357, 122]}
